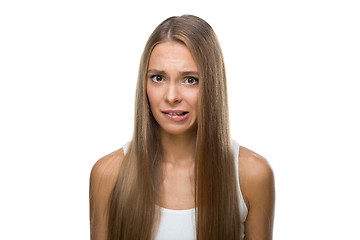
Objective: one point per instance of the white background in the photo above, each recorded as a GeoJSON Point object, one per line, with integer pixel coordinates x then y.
{"type": "Point", "coordinates": [68, 71]}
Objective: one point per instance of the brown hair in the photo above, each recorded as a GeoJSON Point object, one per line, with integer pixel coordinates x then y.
{"type": "Point", "coordinates": [133, 213]}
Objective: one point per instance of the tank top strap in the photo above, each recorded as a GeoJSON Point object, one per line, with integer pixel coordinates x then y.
{"type": "Point", "coordinates": [125, 147]}
{"type": "Point", "coordinates": [243, 207]}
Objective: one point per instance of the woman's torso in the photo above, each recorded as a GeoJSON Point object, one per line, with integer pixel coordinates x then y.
{"type": "Point", "coordinates": [180, 224]}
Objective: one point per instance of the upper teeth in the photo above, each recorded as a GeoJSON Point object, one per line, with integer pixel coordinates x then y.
{"type": "Point", "coordinates": [175, 113]}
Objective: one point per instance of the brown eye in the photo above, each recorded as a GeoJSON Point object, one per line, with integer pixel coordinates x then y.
{"type": "Point", "coordinates": [191, 80]}
{"type": "Point", "coordinates": [156, 78]}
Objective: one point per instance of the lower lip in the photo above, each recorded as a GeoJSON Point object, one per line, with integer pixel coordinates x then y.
{"type": "Point", "coordinates": [177, 117]}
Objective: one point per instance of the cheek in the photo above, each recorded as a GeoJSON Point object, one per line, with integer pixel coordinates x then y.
{"type": "Point", "coordinates": [193, 98]}
{"type": "Point", "coordinates": [150, 94]}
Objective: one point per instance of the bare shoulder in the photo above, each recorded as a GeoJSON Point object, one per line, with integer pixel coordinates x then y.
{"type": "Point", "coordinates": [102, 181]}
{"type": "Point", "coordinates": [258, 188]}
{"type": "Point", "coordinates": [255, 173]}
{"type": "Point", "coordinates": [253, 164]}
{"type": "Point", "coordinates": [107, 167]}
{"type": "Point", "coordinates": [103, 176]}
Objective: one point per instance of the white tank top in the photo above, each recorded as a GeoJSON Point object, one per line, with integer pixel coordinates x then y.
{"type": "Point", "coordinates": [180, 224]}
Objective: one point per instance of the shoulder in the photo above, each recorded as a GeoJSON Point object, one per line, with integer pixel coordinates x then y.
{"type": "Point", "coordinates": [256, 175]}
{"type": "Point", "coordinates": [104, 174]}
{"type": "Point", "coordinates": [102, 181]}
{"type": "Point", "coordinates": [254, 165]}
{"type": "Point", "coordinates": [258, 189]}
{"type": "Point", "coordinates": [107, 167]}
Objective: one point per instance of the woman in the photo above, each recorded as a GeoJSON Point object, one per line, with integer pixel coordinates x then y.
{"type": "Point", "coordinates": [180, 176]}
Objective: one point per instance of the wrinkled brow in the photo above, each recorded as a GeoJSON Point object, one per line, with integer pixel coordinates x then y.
{"type": "Point", "coordinates": [160, 72]}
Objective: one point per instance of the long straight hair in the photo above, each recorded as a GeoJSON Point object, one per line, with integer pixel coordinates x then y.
{"type": "Point", "coordinates": [133, 214]}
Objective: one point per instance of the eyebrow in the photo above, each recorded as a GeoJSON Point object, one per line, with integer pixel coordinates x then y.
{"type": "Point", "coordinates": [160, 72]}
{"type": "Point", "coordinates": [151, 71]}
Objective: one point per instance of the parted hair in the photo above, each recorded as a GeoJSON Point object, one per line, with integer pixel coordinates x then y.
{"type": "Point", "coordinates": [133, 214]}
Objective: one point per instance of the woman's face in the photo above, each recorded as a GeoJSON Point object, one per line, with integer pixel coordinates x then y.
{"type": "Point", "coordinates": [172, 87]}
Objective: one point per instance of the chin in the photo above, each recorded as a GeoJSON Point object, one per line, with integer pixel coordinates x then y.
{"type": "Point", "coordinates": [180, 130]}
{"type": "Point", "coordinates": [189, 126]}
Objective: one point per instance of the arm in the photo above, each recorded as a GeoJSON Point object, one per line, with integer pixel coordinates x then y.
{"type": "Point", "coordinates": [257, 181]}
{"type": "Point", "coordinates": [102, 181]}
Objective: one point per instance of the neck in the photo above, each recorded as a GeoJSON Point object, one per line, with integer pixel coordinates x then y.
{"type": "Point", "coordinates": [178, 149]}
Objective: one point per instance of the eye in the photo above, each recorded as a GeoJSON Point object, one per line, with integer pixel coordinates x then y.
{"type": "Point", "coordinates": [191, 80]}
{"type": "Point", "coordinates": [157, 78]}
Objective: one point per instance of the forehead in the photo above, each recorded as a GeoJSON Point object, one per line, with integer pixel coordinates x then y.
{"type": "Point", "coordinates": [170, 55]}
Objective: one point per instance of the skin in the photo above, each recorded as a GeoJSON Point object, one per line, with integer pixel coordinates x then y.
{"type": "Point", "coordinates": [170, 86]}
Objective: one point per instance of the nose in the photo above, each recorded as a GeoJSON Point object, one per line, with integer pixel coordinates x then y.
{"type": "Point", "coordinates": [172, 94]}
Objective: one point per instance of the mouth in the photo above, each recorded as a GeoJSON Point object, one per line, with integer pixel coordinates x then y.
{"type": "Point", "coordinates": [176, 115]}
